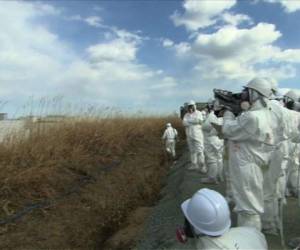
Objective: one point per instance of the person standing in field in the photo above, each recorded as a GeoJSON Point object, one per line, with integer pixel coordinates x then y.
{"type": "Point", "coordinates": [192, 121]}
{"type": "Point", "coordinates": [170, 137]}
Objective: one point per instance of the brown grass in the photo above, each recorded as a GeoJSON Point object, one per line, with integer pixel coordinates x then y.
{"type": "Point", "coordinates": [122, 159]}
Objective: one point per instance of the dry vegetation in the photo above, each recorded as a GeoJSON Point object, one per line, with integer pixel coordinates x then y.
{"type": "Point", "coordinates": [82, 178]}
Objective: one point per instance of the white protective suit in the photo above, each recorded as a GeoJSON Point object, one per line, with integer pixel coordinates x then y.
{"type": "Point", "coordinates": [251, 143]}
{"type": "Point", "coordinates": [285, 123]}
{"type": "Point", "coordinates": [235, 238]}
{"type": "Point", "coordinates": [170, 137]}
{"type": "Point", "coordinates": [226, 171]}
{"type": "Point", "coordinates": [275, 174]}
{"type": "Point", "coordinates": [293, 169]}
{"type": "Point", "coordinates": [213, 147]}
{"type": "Point", "coordinates": [194, 136]}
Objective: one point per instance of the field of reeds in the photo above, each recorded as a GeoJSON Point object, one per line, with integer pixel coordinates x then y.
{"type": "Point", "coordinates": [74, 183]}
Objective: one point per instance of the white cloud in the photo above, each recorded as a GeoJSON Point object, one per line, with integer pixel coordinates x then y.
{"type": "Point", "coordinates": [230, 41]}
{"type": "Point", "coordinates": [117, 50]}
{"type": "Point", "coordinates": [201, 14]}
{"type": "Point", "coordinates": [232, 53]}
{"type": "Point", "coordinates": [94, 21]}
{"type": "Point", "coordinates": [35, 61]}
{"type": "Point", "coordinates": [236, 19]}
{"type": "Point", "coordinates": [182, 49]}
{"type": "Point", "coordinates": [167, 43]}
{"type": "Point", "coordinates": [288, 5]}
{"type": "Point", "coordinates": [240, 54]}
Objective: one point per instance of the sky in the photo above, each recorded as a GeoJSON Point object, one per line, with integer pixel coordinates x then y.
{"type": "Point", "coordinates": [149, 56]}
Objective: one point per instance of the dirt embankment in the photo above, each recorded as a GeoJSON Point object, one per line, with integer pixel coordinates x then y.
{"type": "Point", "coordinates": [74, 185]}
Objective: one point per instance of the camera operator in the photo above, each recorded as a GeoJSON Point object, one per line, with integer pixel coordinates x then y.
{"type": "Point", "coordinates": [251, 137]}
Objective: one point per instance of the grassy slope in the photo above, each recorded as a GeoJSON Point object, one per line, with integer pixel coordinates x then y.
{"type": "Point", "coordinates": [121, 159]}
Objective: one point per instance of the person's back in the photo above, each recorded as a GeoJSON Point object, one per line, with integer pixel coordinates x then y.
{"type": "Point", "coordinates": [170, 134]}
{"type": "Point", "coordinates": [236, 238]}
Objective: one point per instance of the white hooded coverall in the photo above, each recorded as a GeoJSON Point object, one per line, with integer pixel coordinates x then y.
{"type": "Point", "coordinates": [251, 137]}
{"type": "Point", "coordinates": [285, 123]}
{"type": "Point", "coordinates": [170, 136]}
{"type": "Point", "coordinates": [194, 135]}
{"type": "Point", "coordinates": [213, 147]}
{"type": "Point", "coordinates": [293, 169]}
{"type": "Point", "coordinates": [235, 238]}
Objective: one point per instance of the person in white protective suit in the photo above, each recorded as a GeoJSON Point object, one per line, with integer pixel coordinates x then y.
{"type": "Point", "coordinates": [213, 148]}
{"type": "Point", "coordinates": [275, 178]}
{"type": "Point", "coordinates": [274, 175]}
{"type": "Point", "coordinates": [192, 121]}
{"type": "Point", "coordinates": [170, 137]}
{"type": "Point", "coordinates": [204, 113]}
{"type": "Point", "coordinates": [207, 222]}
{"type": "Point", "coordinates": [292, 103]}
{"type": "Point", "coordinates": [252, 140]}
{"type": "Point", "coordinates": [293, 176]}
{"type": "Point", "coordinates": [219, 111]}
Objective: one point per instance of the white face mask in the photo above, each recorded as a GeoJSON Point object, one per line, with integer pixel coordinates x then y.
{"type": "Point", "coordinates": [253, 95]}
{"type": "Point", "coordinates": [245, 105]}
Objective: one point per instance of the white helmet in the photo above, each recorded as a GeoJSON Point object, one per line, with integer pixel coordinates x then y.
{"type": "Point", "coordinates": [191, 102]}
{"type": "Point", "coordinates": [293, 94]}
{"type": "Point", "coordinates": [208, 212]}
{"type": "Point", "coordinates": [168, 125]}
{"type": "Point", "coordinates": [261, 85]}
{"type": "Point", "coordinates": [273, 84]}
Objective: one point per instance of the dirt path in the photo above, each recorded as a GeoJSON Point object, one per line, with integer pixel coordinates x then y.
{"type": "Point", "coordinates": [159, 231]}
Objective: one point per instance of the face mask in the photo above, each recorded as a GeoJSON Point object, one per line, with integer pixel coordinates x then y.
{"type": "Point", "coordinates": [245, 97]}
{"type": "Point", "coordinates": [253, 96]}
{"type": "Point", "coordinates": [245, 105]}
{"type": "Point", "coordinates": [191, 108]}
{"type": "Point", "coordinates": [185, 232]}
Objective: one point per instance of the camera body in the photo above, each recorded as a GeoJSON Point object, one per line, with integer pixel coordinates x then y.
{"type": "Point", "coordinates": [228, 100]}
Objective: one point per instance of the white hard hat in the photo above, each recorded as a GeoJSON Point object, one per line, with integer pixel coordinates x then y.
{"type": "Point", "coordinates": [208, 212]}
{"type": "Point", "coordinates": [273, 83]}
{"type": "Point", "coordinates": [261, 85]}
{"type": "Point", "coordinates": [191, 102]}
{"type": "Point", "coordinates": [293, 94]}
{"type": "Point", "coordinates": [168, 124]}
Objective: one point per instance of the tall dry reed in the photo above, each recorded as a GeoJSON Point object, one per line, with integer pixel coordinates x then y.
{"type": "Point", "coordinates": [121, 159]}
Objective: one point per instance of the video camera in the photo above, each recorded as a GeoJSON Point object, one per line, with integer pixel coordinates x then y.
{"type": "Point", "coordinates": [228, 100]}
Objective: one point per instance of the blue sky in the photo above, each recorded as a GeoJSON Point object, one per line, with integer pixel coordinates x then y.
{"type": "Point", "coordinates": [142, 55]}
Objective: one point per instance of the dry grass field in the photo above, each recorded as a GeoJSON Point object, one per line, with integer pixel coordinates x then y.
{"type": "Point", "coordinates": [73, 184]}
